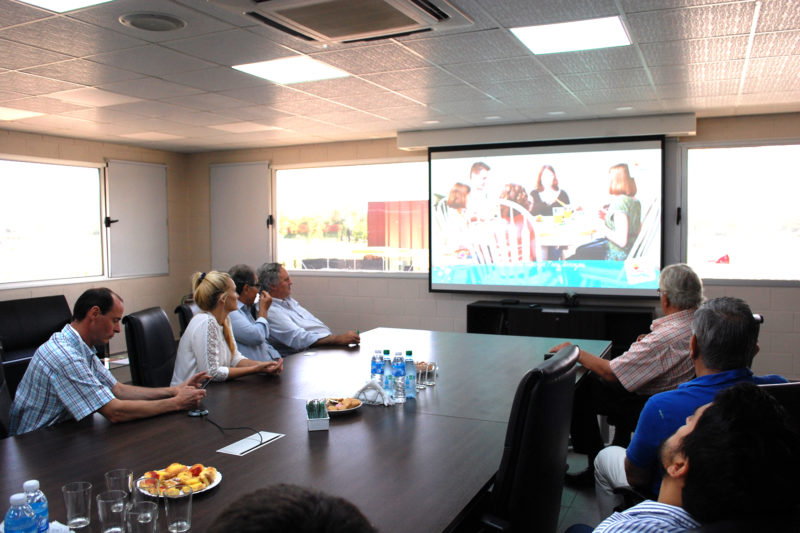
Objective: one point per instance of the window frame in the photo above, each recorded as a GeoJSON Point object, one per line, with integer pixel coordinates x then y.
{"type": "Point", "coordinates": [275, 167]}
{"type": "Point", "coordinates": [683, 183]}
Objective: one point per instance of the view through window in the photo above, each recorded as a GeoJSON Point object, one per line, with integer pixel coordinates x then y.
{"type": "Point", "coordinates": [743, 221]}
{"type": "Point", "coordinates": [359, 217]}
{"type": "Point", "coordinates": [50, 222]}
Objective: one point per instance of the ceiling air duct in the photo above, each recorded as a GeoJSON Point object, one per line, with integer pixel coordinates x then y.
{"type": "Point", "coordinates": [347, 21]}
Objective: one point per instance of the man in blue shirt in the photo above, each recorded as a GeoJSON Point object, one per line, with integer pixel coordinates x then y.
{"type": "Point", "coordinates": [734, 462]}
{"type": "Point", "coordinates": [251, 332]}
{"type": "Point", "coordinates": [65, 380]}
{"type": "Point", "coordinates": [292, 327]}
{"type": "Point", "coordinates": [723, 344]}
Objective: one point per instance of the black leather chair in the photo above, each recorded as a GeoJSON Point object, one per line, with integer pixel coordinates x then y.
{"type": "Point", "coordinates": [526, 495]}
{"type": "Point", "coordinates": [788, 394]}
{"type": "Point", "coordinates": [5, 402]}
{"type": "Point", "coordinates": [185, 313]}
{"type": "Point", "coordinates": [151, 347]}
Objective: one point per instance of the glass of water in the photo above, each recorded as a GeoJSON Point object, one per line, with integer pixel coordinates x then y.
{"type": "Point", "coordinates": [111, 510]}
{"type": "Point", "coordinates": [142, 517]}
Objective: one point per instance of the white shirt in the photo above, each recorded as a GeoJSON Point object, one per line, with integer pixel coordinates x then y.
{"type": "Point", "coordinates": [203, 348]}
{"type": "Point", "coordinates": [293, 328]}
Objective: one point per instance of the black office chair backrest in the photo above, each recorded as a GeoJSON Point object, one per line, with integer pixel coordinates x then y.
{"type": "Point", "coordinates": [185, 313]}
{"type": "Point", "coordinates": [5, 401]}
{"type": "Point", "coordinates": [528, 484]}
{"type": "Point", "coordinates": [788, 394]}
{"type": "Point", "coordinates": [151, 347]}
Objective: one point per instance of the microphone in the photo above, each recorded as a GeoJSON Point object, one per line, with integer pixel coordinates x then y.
{"type": "Point", "coordinates": [200, 410]}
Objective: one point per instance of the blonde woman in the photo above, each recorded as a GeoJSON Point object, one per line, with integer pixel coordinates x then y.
{"type": "Point", "coordinates": [208, 345]}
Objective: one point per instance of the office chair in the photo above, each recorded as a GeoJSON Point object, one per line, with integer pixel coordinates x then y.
{"type": "Point", "coordinates": [527, 490]}
{"type": "Point", "coordinates": [788, 394]}
{"type": "Point", "coordinates": [185, 312]}
{"type": "Point", "coordinates": [151, 347]}
{"type": "Point", "coordinates": [5, 401]}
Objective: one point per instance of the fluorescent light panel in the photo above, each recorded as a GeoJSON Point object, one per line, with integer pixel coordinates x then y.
{"type": "Point", "coordinates": [7, 113]}
{"type": "Point", "coordinates": [62, 6]}
{"type": "Point", "coordinates": [292, 70]}
{"type": "Point", "coordinates": [573, 36]}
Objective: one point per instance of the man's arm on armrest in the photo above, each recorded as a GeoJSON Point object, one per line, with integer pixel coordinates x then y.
{"type": "Point", "coordinates": [598, 365]}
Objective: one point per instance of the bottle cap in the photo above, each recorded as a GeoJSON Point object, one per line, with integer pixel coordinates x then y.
{"type": "Point", "coordinates": [408, 353]}
{"type": "Point", "coordinates": [18, 499]}
{"type": "Point", "coordinates": [32, 485]}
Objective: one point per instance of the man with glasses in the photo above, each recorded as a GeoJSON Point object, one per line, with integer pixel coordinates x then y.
{"type": "Point", "coordinates": [292, 327]}
{"type": "Point", "coordinates": [249, 322]}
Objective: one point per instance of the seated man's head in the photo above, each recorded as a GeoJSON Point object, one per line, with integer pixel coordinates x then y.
{"type": "Point", "coordinates": [274, 279]}
{"type": "Point", "coordinates": [97, 314]}
{"type": "Point", "coordinates": [292, 509]}
{"type": "Point", "coordinates": [246, 282]}
{"type": "Point", "coordinates": [680, 287]}
{"type": "Point", "coordinates": [725, 334]}
{"type": "Point", "coordinates": [736, 457]}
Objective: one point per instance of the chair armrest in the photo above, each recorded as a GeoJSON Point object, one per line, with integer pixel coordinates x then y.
{"type": "Point", "coordinates": [495, 523]}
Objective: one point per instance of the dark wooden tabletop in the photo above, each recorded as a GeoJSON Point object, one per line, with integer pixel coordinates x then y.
{"type": "Point", "coordinates": [408, 468]}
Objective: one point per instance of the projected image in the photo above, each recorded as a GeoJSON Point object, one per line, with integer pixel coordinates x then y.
{"type": "Point", "coordinates": [581, 217]}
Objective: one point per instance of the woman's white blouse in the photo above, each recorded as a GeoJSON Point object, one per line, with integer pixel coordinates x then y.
{"type": "Point", "coordinates": [203, 348]}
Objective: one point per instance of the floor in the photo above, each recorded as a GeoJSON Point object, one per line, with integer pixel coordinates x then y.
{"type": "Point", "coordinates": [577, 506]}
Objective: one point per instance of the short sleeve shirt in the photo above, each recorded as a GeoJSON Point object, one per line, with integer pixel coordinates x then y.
{"type": "Point", "coordinates": [660, 361]}
{"type": "Point", "coordinates": [64, 380]}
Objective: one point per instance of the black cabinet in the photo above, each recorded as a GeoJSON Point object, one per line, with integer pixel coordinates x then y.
{"type": "Point", "coordinates": [619, 324]}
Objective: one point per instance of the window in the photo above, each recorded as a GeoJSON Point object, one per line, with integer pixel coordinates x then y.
{"type": "Point", "coordinates": [50, 222]}
{"type": "Point", "coordinates": [361, 217]}
{"type": "Point", "coordinates": [743, 221]}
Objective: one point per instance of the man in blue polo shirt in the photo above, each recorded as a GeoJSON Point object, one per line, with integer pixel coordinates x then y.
{"type": "Point", "coordinates": [723, 344]}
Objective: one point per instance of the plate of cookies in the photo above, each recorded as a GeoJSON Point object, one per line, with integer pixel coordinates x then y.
{"type": "Point", "coordinates": [176, 477]}
{"type": "Point", "coordinates": [340, 406]}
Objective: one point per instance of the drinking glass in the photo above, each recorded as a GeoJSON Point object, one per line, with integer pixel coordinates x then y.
{"type": "Point", "coordinates": [78, 502]}
{"type": "Point", "coordinates": [178, 505]}
{"type": "Point", "coordinates": [430, 374]}
{"type": "Point", "coordinates": [142, 517]}
{"type": "Point", "coordinates": [111, 511]}
{"type": "Point", "coordinates": [421, 366]}
{"type": "Point", "coordinates": [120, 479]}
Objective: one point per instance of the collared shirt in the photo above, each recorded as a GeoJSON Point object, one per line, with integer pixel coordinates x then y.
{"type": "Point", "coordinates": [64, 380]}
{"type": "Point", "coordinates": [664, 413]}
{"type": "Point", "coordinates": [292, 328]}
{"type": "Point", "coordinates": [203, 348]}
{"type": "Point", "coordinates": [649, 517]}
{"type": "Point", "coordinates": [660, 361]}
{"type": "Point", "coordinates": [251, 335]}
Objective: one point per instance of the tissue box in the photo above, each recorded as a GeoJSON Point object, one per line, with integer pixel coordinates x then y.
{"type": "Point", "coordinates": [318, 424]}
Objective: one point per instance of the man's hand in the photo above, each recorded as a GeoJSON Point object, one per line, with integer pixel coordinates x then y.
{"type": "Point", "coordinates": [188, 397]}
{"type": "Point", "coordinates": [558, 347]}
{"type": "Point", "coordinates": [196, 381]}
{"type": "Point", "coordinates": [271, 367]}
{"type": "Point", "coordinates": [264, 301]}
{"type": "Point", "coordinates": [351, 337]}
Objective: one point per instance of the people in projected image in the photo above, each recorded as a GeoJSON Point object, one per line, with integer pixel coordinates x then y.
{"type": "Point", "coordinates": [522, 237]}
{"type": "Point", "coordinates": [547, 194]}
{"type": "Point", "coordinates": [622, 217]}
{"type": "Point", "coordinates": [480, 202]}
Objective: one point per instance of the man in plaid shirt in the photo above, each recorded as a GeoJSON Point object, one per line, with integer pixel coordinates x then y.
{"type": "Point", "coordinates": [656, 362]}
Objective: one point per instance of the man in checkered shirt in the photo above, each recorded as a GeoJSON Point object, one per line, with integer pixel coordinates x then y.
{"type": "Point", "coordinates": [65, 380]}
{"type": "Point", "coordinates": [656, 362]}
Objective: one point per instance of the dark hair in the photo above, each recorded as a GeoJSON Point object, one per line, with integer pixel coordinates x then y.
{"type": "Point", "coordinates": [269, 275]}
{"type": "Point", "coordinates": [291, 509]}
{"type": "Point", "coordinates": [744, 458]}
{"type": "Point", "coordinates": [457, 199]}
{"type": "Point", "coordinates": [726, 332]}
{"type": "Point", "coordinates": [242, 275]}
{"type": "Point", "coordinates": [539, 186]}
{"type": "Point", "coordinates": [102, 298]}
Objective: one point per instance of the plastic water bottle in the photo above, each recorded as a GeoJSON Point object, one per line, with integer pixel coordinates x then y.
{"type": "Point", "coordinates": [399, 374]}
{"type": "Point", "coordinates": [20, 518]}
{"type": "Point", "coordinates": [38, 503]}
{"type": "Point", "coordinates": [388, 378]}
{"type": "Point", "coordinates": [376, 367]}
{"type": "Point", "coordinates": [411, 376]}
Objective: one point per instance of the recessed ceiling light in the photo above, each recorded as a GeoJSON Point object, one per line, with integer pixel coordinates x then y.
{"type": "Point", "coordinates": [62, 6]}
{"type": "Point", "coordinates": [7, 113]}
{"type": "Point", "coordinates": [556, 113]}
{"type": "Point", "coordinates": [292, 70]}
{"type": "Point", "coordinates": [625, 108]}
{"type": "Point", "coordinates": [573, 36]}
{"type": "Point", "coordinates": [492, 117]}
{"type": "Point", "coordinates": [430, 121]}
{"type": "Point", "coordinates": [148, 21]}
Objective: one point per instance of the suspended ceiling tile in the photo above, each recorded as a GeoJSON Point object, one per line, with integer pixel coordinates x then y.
{"type": "Point", "coordinates": [42, 104]}
{"type": "Point", "coordinates": [373, 101]}
{"type": "Point", "coordinates": [428, 95]}
{"type": "Point", "coordinates": [260, 112]}
{"type": "Point", "coordinates": [617, 95]}
{"type": "Point", "coordinates": [407, 112]}
{"type": "Point", "coordinates": [695, 51]}
{"type": "Point", "coordinates": [205, 102]}
{"type": "Point", "coordinates": [18, 56]}
{"type": "Point", "coordinates": [267, 94]}
{"type": "Point", "coordinates": [71, 37]}
{"type": "Point", "coordinates": [32, 85]}
{"type": "Point", "coordinates": [497, 71]}
{"type": "Point", "coordinates": [399, 80]}
{"type": "Point", "coordinates": [768, 86]}
{"type": "Point", "coordinates": [372, 58]}
{"type": "Point", "coordinates": [152, 60]}
{"type": "Point", "coordinates": [778, 15]}
{"type": "Point", "coordinates": [82, 72]}
{"type": "Point", "coordinates": [150, 88]}
{"type": "Point", "coordinates": [618, 58]}
{"type": "Point", "coordinates": [605, 79]}
{"type": "Point", "coordinates": [469, 47]}
{"type": "Point", "coordinates": [471, 106]}
{"type": "Point", "coordinates": [718, 88]}
{"type": "Point", "coordinates": [228, 48]}
{"type": "Point", "coordinates": [338, 87]}
{"type": "Point", "coordinates": [216, 79]}
{"type": "Point", "coordinates": [344, 118]}
{"type": "Point", "coordinates": [776, 44]}
{"type": "Point", "coordinates": [732, 18]}
{"type": "Point", "coordinates": [510, 13]}
{"type": "Point", "coordinates": [522, 88]}
{"type": "Point", "coordinates": [308, 107]}
{"type": "Point", "coordinates": [698, 72]}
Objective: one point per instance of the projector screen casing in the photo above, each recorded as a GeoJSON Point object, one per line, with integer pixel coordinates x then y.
{"type": "Point", "coordinates": [458, 236]}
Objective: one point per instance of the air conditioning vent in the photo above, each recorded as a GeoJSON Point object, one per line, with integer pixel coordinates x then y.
{"type": "Point", "coordinates": [344, 21]}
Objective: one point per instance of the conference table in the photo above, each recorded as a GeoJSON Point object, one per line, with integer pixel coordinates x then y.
{"type": "Point", "coordinates": [409, 467]}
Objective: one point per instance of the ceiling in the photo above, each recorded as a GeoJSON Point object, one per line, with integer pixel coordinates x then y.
{"type": "Point", "coordinates": [93, 78]}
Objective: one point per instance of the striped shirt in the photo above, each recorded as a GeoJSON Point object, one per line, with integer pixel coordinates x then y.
{"type": "Point", "coordinates": [64, 380]}
{"type": "Point", "coordinates": [660, 360]}
{"type": "Point", "coordinates": [648, 517]}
